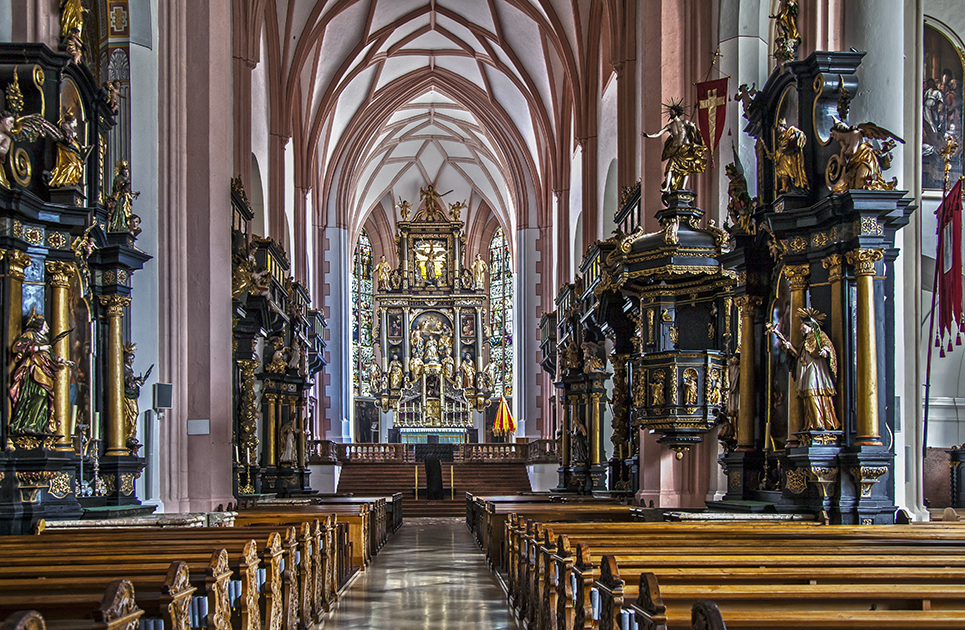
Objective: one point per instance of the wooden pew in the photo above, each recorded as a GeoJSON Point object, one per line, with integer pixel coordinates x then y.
{"type": "Point", "coordinates": [112, 607]}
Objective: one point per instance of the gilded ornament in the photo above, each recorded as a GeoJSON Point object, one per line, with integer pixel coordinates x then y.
{"type": "Point", "coordinates": [734, 480]}
{"type": "Point", "coordinates": [797, 276]}
{"type": "Point", "coordinates": [797, 244]}
{"type": "Point", "coordinates": [60, 273]}
{"type": "Point", "coordinates": [683, 151]}
{"type": "Point", "coordinates": [796, 480]}
{"type": "Point", "coordinates": [650, 325]}
{"type": "Point", "coordinates": [860, 163]}
{"type": "Point", "coordinates": [674, 334]}
{"type": "Point", "coordinates": [60, 485]}
{"type": "Point", "coordinates": [819, 240]}
{"type": "Point", "coordinates": [33, 235]}
{"type": "Point", "coordinates": [826, 476]}
{"type": "Point", "coordinates": [871, 226]}
{"type": "Point", "coordinates": [123, 613]}
{"type": "Point", "coordinates": [57, 240]}
{"type": "Point", "coordinates": [867, 477]}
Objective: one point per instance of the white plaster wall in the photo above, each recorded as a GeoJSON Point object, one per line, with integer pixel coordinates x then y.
{"type": "Point", "coordinates": [543, 477]}
{"type": "Point", "coordinates": [526, 386]}
{"type": "Point", "coordinates": [324, 478]}
{"type": "Point", "coordinates": [339, 392]}
{"type": "Point", "coordinates": [576, 208]}
{"type": "Point", "coordinates": [606, 137]}
{"type": "Point", "coordinates": [145, 295]}
{"type": "Point", "coordinates": [259, 130]}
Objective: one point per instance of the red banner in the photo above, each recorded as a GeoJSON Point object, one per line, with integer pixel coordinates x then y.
{"type": "Point", "coordinates": [711, 113]}
{"type": "Point", "coordinates": [948, 266]}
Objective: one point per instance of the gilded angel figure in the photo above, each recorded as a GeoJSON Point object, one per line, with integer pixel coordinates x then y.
{"type": "Point", "coordinates": [860, 163]}
{"type": "Point", "coordinates": [684, 150]}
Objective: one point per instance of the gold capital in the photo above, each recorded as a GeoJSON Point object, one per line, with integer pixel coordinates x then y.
{"type": "Point", "coordinates": [18, 262]}
{"type": "Point", "coordinates": [115, 304]}
{"type": "Point", "coordinates": [797, 276]}
{"type": "Point", "coordinates": [60, 273]}
{"type": "Point", "coordinates": [863, 260]}
{"type": "Point", "coordinates": [247, 366]}
{"type": "Point", "coordinates": [748, 304]}
{"type": "Point", "coordinates": [833, 264]}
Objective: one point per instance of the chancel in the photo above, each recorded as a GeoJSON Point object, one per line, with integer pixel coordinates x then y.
{"type": "Point", "coordinates": [643, 314]}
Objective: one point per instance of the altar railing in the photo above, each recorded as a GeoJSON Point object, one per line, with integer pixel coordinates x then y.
{"type": "Point", "coordinates": [535, 452]}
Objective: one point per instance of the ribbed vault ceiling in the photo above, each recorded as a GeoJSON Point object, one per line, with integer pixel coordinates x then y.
{"type": "Point", "coordinates": [466, 94]}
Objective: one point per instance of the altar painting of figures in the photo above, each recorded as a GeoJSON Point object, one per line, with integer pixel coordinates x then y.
{"type": "Point", "coordinates": [941, 105]}
{"type": "Point", "coordinates": [366, 421]}
{"type": "Point", "coordinates": [778, 367]}
{"type": "Point", "coordinates": [81, 326]}
{"type": "Point", "coordinates": [430, 262]}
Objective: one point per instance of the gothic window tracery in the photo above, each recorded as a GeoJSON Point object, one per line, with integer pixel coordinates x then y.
{"type": "Point", "coordinates": [362, 304]}
{"type": "Point", "coordinates": [501, 315]}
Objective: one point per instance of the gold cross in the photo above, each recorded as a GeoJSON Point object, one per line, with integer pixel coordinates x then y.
{"type": "Point", "coordinates": [710, 104]}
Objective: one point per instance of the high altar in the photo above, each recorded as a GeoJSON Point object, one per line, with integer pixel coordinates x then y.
{"type": "Point", "coordinates": [429, 327]}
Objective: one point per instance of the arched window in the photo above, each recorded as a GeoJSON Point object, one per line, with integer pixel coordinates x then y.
{"type": "Point", "coordinates": [362, 305]}
{"type": "Point", "coordinates": [501, 315]}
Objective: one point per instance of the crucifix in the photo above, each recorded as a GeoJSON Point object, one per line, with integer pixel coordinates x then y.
{"type": "Point", "coordinates": [711, 103]}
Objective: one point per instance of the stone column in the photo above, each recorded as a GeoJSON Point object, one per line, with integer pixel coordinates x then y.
{"type": "Point", "coordinates": [864, 261]}
{"type": "Point", "coordinates": [60, 273]}
{"type": "Point", "coordinates": [797, 277]}
{"type": "Point", "coordinates": [748, 305]}
{"type": "Point", "coordinates": [114, 311]}
{"type": "Point", "coordinates": [833, 264]}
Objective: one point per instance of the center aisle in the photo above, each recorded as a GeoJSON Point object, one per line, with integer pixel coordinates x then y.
{"type": "Point", "coordinates": [430, 575]}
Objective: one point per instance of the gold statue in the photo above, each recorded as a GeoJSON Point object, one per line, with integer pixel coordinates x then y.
{"type": "Point", "coordinates": [455, 208]}
{"type": "Point", "coordinates": [478, 268]}
{"type": "Point", "coordinates": [684, 150]}
{"type": "Point", "coordinates": [70, 155]}
{"type": "Point", "coordinates": [859, 164]}
{"type": "Point", "coordinates": [789, 158]}
{"type": "Point", "coordinates": [416, 368]}
{"type": "Point", "coordinates": [120, 203]}
{"type": "Point", "coordinates": [132, 391]}
{"type": "Point", "coordinates": [788, 38]}
{"type": "Point", "coordinates": [376, 378]}
{"type": "Point", "coordinates": [448, 364]}
{"type": "Point", "coordinates": [690, 387]}
{"type": "Point", "coordinates": [72, 27]}
{"type": "Point", "coordinates": [816, 369]}
{"type": "Point", "coordinates": [382, 269]}
{"type": "Point", "coordinates": [740, 208]}
{"type": "Point", "coordinates": [656, 389]}
{"type": "Point", "coordinates": [468, 372]}
{"type": "Point", "coordinates": [404, 208]}
{"type": "Point", "coordinates": [396, 375]}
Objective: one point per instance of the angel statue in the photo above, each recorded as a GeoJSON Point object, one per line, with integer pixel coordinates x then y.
{"type": "Point", "coordinates": [455, 208]}
{"type": "Point", "coordinates": [382, 269]}
{"type": "Point", "coordinates": [684, 150]}
{"type": "Point", "coordinates": [121, 202]}
{"type": "Point", "coordinates": [478, 268]}
{"type": "Point", "coordinates": [132, 391]}
{"type": "Point", "coordinates": [815, 370]}
{"type": "Point", "coordinates": [789, 158]}
{"type": "Point", "coordinates": [32, 391]}
{"type": "Point", "coordinates": [70, 155]}
{"type": "Point", "coordinates": [404, 208]}
{"type": "Point", "coordinates": [859, 164]}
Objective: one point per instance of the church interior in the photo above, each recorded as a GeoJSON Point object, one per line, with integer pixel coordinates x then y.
{"type": "Point", "coordinates": [643, 313]}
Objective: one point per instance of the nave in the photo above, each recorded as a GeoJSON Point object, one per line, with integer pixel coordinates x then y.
{"type": "Point", "coordinates": [430, 575]}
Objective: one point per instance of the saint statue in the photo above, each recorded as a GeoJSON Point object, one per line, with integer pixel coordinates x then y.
{"type": "Point", "coordinates": [375, 378]}
{"type": "Point", "coordinates": [287, 455]}
{"type": "Point", "coordinates": [70, 155]}
{"type": "Point", "coordinates": [690, 388]}
{"type": "Point", "coordinates": [416, 368]}
{"type": "Point", "coordinates": [132, 391]}
{"type": "Point", "coordinates": [448, 364]}
{"type": "Point", "coordinates": [32, 391]}
{"type": "Point", "coordinates": [431, 353]}
{"type": "Point", "coordinates": [578, 440]}
{"type": "Point", "coordinates": [733, 379]}
{"type": "Point", "coordinates": [859, 164]}
{"type": "Point", "coordinates": [478, 273]}
{"type": "Point", "coordinates": [684, 150]}
{"type": "Point", "coordinates": [815, 370]}
{"type": "Point", "coordinates": [120, 203]}
{"type": "Point", "coordinates": [382, 270]}
{"type": "Point", "coordinates": [789, 158]}
{"type": "Point", "coordinates": [468, 372]}
{"type": "Point", "coordinates": [656, 390]}
{"type": "Point", "coordinates": [396, 374]}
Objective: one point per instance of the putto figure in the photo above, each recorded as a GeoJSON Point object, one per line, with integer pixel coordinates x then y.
{"type": "Point", "coordinates": [815, 371]}
{"type": "Point", "coordinates": [684, 150]}
{"type": "Point", "coordinates": [32, 391]}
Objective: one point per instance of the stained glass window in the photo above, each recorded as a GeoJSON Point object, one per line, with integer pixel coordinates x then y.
{"type": "Point", "coordinates": [362, 306]}
{"type": "Point", "coordinates": [501, 315]}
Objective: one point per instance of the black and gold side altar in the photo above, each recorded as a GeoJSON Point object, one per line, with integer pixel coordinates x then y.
{"type": "Point", "coordinates": [279, 341]}
{"type": "Point", "coordinates": [430, 326]}
{"type": "Point", "coordinates": [67, 245]}
{"type": "Point", "coordinates": [815, 300]}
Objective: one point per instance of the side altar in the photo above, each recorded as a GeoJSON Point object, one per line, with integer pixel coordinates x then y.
{"type": "Point", "coordinates": [429, 327]}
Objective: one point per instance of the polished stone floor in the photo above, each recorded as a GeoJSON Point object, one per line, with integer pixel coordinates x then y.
{"type": "Point", "coordinates": [430, 575]}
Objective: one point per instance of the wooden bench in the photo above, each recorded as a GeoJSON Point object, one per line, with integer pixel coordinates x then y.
{"type": "Point", "coordinates": [109, 608]}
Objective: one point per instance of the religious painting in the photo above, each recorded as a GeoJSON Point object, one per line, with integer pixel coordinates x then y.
{"type": "Point", "coordinates": [468, 325]}
{"type": "Point", "coordinates": [430, 263]}
{"type": "Point", "coordinates": [778, 367]}
{"type": "Point", "coordinates": [395, 325]}
{"type": "Point", "coordinates": [81, 326]}
{"type": "Point", "coordinates": [941, 106]}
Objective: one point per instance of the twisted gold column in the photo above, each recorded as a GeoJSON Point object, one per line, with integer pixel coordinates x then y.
{"type": "Point", "coordinates": [116, 436]}
{"type": "Point", "coordinates": [797, 277]}
{"type": "Point", "coordinates": [748, 305]}
{"type": "Point", "coordinates": [864, 261]}
{"type": "Point", "coordinates": [60, 273]}
{"type": "Point", "coordinates": [835, 266]}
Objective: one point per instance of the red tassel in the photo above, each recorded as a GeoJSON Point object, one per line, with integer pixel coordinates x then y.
{"type": "Point", "coordinates": [942, 353]}
{"type": "Point", "coordinates": [958, 340]}
{"type": "Point", "coordinates": [949, 345]}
